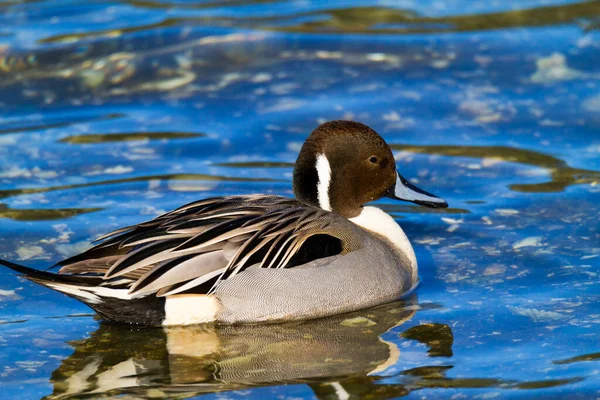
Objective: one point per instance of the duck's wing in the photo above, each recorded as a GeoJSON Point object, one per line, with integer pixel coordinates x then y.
{"type": "Point", "coordinates": [195, 246]}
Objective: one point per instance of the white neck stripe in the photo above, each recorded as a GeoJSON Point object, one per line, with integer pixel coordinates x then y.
{"type": "Point", "coordinates": [324, 174]}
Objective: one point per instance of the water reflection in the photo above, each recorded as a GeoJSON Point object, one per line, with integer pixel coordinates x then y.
{"type": "Point", "coordinates": [119, 359]}
{"type": "Point", "coordinates": [337, 357]}
{"type": "Point", "coordinates": [582, 358]}
{"type": "Point", "coordinates": [561, 174]}
{"type": "Point", "coordinates": [165, 177]}
{"type": "Point", "coordinates": [256, 164]}
{"type": "Point", "coordinates": [392, 20]}
{"type": "Point", "coordinates": [42, 214]}
{"type": "Point", "coordinates": [122, 65]}
{"type": "Point", "coordinates": [127, 137]}
{"type": "Point", "coordinates": [367, 19]}
{"type": "Point", "coordinates": [256, 75]}
{"type": "Point", "coordinates": [397, 210]}
{"type": "Point", "coordinates": [49, 123]}
{"type": "Point", "coordinates": [160, 56]}
{"type": "Point", "coordinates": [438, 337]}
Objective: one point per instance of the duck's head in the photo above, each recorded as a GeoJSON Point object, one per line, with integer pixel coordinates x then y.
{"type": "Point", "coordinates": [345, 164]}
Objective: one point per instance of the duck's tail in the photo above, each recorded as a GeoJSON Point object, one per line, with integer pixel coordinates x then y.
{"type": "Point", "coordinates": [114, 304]}
{"type": "Point", "coordinates": [81, 288]}
{"type": "Point", "coordinates": [44, 277]}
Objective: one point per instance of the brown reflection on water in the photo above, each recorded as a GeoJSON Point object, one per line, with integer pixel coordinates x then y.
{"type": "Point", "coordinates": [438, 337]}
{"type": "Point", "coordinates": [115, 62]}
{"type": "Point", "coordinates": [195, 5]}
{"type": "Point", "coordinates": [582, 358]}
{"type": "Point", "coordinates": [165, 177]}
{"type": "Point", "coordinates": [123, 65]}
{"type": "Point", "coordinates": [397, 210]}
{"type": "Point", "coordinates": [561, 174]}
{"type": "Point", "coordinates": [256, 164]}
{"type": "Point", "coordinates": [41, 214]}
{"type": "Point", "coordinates": [53, 125]}
{"type": "Point", "coordinates": [127, 137]}
{"type": "Point", "coordinates": [367, 19]}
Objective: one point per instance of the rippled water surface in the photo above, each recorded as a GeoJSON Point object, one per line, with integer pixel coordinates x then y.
{"type": "Point", "coordinates": [114, 112]}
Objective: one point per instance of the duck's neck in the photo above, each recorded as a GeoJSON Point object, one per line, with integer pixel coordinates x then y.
{"type": "Point", "coordinates": [377, 221]}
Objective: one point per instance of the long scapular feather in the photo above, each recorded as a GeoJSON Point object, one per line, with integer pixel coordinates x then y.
{"type": "Point", "coordinates": [243, 261]}
{"type": "Point", "coordinates": [141, 256]}
{"type": "Point", "coordinates": [296, 245]}
{"type": "Point", "coordinates": [194, 226]}
{"type": "Point", "coordinates": [216, 234]}
{"type": "Point", "coordinates": [177, 271]}
{"type": "Point", "coordinates": [115, 233]}
{"type": "Point", "coordinates": [95, 265]}
{"type": "Point", "coordinates": [282, 248]}
{"type": "Point", "coordinates": [191, 284]}
{"type": "Point", "coordinates": [148, 237]}
{"type": "Point", "coordinates": [273, 250]}
{"type": "Point", "coordinates": [246, 250]}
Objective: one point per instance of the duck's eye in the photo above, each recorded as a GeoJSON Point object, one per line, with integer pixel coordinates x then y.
{"type": "Point", "coordinates": [374, 160]}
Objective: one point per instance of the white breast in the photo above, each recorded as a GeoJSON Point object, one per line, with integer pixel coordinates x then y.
{"type": "Point", "coordinates": [377, 221]}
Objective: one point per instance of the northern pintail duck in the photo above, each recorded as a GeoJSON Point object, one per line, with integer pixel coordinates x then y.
{"type": "Point", "coordinates": [254, 258]}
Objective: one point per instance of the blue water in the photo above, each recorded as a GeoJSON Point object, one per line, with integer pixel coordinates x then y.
{"type": "Point", "coordinates": [114, 112]}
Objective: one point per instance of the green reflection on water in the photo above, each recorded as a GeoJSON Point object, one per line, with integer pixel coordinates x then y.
{"type": "Point", "coordinates": [546, 384]}
{"type": "Point", "coordinates": [165, 177]}
{"type": "Point", "coordinates": [127, 137]}
{"type": "Point", "coordinates": [10, 3]}
{"type": "Point", "coordinates": [41, 214]}
{"type": "Point", "coordinates": [257, 164]}
{"type": "Point", "coordinates": [366, 19]}
{"type": "Point", "coordinates": [582, 358]}
{"type": "Point", "coordinates": [396, 210]}
{"type": "Point", "coordinates": [370, 20]}
{"type": "Point", "coordinates": [561, 174]}
{"type": "Point", "coordinates": [194, 5]}
{"type": "Point", "coordinates": [437, 336]}
{"type": "Point", "coordinates": [106, 64]}
{"type": "Point", "coordinates": [54, 125]}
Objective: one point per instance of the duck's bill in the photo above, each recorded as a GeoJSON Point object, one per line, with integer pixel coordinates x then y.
{"type": "Point", "coordinates": [406, 191]}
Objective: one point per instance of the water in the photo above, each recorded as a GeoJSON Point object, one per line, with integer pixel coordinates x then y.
{"type": "Point", "coordinates": [113, 112]}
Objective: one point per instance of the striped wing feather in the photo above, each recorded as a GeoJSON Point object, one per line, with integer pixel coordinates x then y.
{"type": "Point", "coordinates": [192, 248]}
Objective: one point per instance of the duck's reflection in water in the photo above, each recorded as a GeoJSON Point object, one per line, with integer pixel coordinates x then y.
{"type": "Point", "coordinates": [339, 357]}
{"type": "Point", "coordinates": [190, 360]}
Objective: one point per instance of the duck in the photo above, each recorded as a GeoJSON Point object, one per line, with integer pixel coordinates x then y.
{"type": "Point", "coordinates": [259, 258]}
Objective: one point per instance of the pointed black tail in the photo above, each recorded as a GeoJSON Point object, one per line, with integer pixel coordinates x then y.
{"type": "Point", "coordinates": [45, 277]}
{"type": "Point", "coordinates": [112, 304]}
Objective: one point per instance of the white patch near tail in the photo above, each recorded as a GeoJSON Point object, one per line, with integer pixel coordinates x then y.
{"type": "Point", "coordinates": [90, 294]}
{"type": "Point", "coordinates": [324, 174]}
{"type": "Point", "coordinates": [190, 309]}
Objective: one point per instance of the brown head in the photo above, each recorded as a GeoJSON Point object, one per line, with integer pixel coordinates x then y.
{"type": "Point", "coordinates": [343, 165]}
